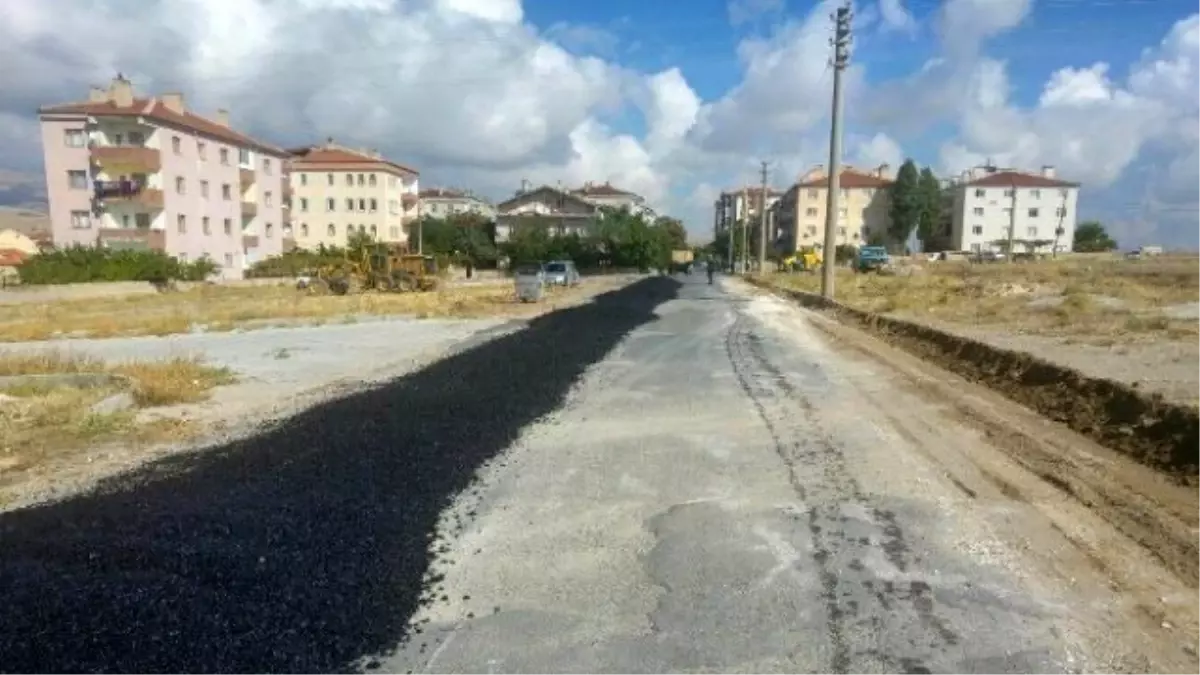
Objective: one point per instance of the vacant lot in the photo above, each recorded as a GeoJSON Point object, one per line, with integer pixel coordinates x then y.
{"type": "Point", "coordinates": [1129, 320]}
{"type": "Point", "coordinates": [218, 308]}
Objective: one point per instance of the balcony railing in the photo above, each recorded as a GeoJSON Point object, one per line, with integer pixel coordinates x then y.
{"type": "Point", "coordinates": [136, 238]}
{"type": "Point", "coordinates": [249, 241]}
{"type": "Point", "coordinates": [138, 159]}
{"type": "Point", "coordinates": [246, 177]}
{"type": "Point", "coordinates": [136, 192]}
{"type": "Point", "coordinates": [249, 209]}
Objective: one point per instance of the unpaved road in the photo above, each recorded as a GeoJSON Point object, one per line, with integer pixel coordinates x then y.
{"type": "Point", "coordinates": [670, 478]}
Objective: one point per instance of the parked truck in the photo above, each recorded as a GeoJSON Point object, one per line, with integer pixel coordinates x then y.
{"type": "Point", "coordinates": [681, 260]}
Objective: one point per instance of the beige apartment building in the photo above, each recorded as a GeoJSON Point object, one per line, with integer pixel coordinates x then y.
{"type": "Point", "coordinates": [444, 202]}
{"type": "Point", "coordinates": [336, 191]}
{"type": "Point", "coordinates": [862, 212]}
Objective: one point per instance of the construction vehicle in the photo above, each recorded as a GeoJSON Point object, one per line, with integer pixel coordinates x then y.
{"type": "Point", "coordinates": [807, 259]}
{"type": "Point", "coordinates": [681, 260]}
{"type": "Point", "coordinates": [380, 267]}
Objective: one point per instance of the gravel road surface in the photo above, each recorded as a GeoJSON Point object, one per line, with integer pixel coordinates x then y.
{"type": "Point", "coordinates": [676, 477]}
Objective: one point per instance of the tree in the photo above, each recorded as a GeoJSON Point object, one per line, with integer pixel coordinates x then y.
{"type": "Point", "coordinates": [929, 205]}
{"type": "Point", "coordinates": [1091, 237]}
{"type": "Point", "coordinates": [675, 230]}
{"type": "Point", "coordinates": [905, 208]}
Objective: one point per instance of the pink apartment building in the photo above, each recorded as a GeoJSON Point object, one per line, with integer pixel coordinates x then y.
{"type": "Point", "coordinates": [131, 172]}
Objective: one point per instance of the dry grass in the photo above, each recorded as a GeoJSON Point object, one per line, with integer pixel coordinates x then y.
{"type": "Point", "coordinates": [41, 422]}
{"type": "Point", "coordinates": [225, 308]}
{"type": "Point", "coordinates": [1094, 300]}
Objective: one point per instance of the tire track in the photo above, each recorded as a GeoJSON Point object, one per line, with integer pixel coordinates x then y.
{"type": "Point", "coordinates": [863, 612]}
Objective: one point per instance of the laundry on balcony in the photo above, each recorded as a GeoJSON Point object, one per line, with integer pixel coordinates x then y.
{"type": "Point", "coordinates": [118, 188]}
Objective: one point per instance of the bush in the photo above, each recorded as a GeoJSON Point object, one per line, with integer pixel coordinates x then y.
{"type": "Point", "coordinates": [84, 264]}
{"type": "Point", "coordinates": [293, 263]}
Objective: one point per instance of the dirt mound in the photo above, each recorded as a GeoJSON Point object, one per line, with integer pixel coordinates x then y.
{"type": "Point", "coordinates": [1146, 427]}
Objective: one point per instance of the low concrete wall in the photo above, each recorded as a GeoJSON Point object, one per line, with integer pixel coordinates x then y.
{"type": "Point", "coordinates": [1151, 430]}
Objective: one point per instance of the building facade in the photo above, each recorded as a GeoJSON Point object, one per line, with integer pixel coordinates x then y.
{"type": "Point", "coordinates": [147, 173]}
{"type": "Point", "coordinates": [337, 191]}
{"type": "Point", "coordinates": [734, 206]}
{"type": "Point", "coordinates": [862, 209]}
{"type": "Point", "coordinates": [1038, 208]}
{"type": "Point", "coordinates": [443, 202]}
{"type": "Point", "coordinates": [559, 211]}
{"type": "Point", "coordinates": [605, 195]}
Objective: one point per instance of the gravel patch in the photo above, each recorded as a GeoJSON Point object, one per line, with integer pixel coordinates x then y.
{"type": "Point", "coordinates": [303, 547]}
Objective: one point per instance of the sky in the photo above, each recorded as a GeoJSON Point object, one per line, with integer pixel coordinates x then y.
{"type": "Point", "coordinates": [674, 100]}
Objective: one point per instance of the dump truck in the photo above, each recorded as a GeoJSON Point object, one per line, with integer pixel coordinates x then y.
{"type": "Point", "coordinates": [681, 260]}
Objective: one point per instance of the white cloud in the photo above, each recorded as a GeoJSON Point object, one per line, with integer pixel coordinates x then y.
{"type": "Point", "coordinates": [742, 11]}
{"type": "Point", "coordinates": [896, 17]}
{"type": "Point", "coordinates": [875, 150]}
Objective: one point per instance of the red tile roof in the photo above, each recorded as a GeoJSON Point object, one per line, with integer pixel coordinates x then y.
{"type": "Point", "coordinates": [605, 190]}
{"type": "Point", "coordinates": [154, 109]}
{"type": "Point", "coordinates": [11, 257]}
{"type": "Point", "coordinates": [1019, 179]}
{"type": "Point", "coordinates": [849, 179]}
{"type": "Point", "coordinates": [343, 159]}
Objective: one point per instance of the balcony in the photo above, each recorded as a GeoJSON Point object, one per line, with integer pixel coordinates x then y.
{"type": "Point", "coordinates": [126, 158]}
{"type": "Point", "coordinates": [409, 200]}
{"type": "Point", "coordinates": [249, 209]}
{"type": "Point", "coordinates": [127, 192]}
{"type": "Point", "coordinates": [246, 176]}
{"type": "Point", "coordinates": [249, 241]}
{"type": "Point", "coordinates": [140, 238]}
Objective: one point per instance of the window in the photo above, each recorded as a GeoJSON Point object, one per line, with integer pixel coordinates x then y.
{"type": "Point", "coordinates": [136, 138]}
{"type": "Point", "coordinates": [74, 138]}
{"type": "Point", "coordinates": [1036, 194]}
{"type": "Point", "coordinates": [374, 230]}
{"type": "Point", "coordinates": [977, 211]}
{"type": "Point", "coordinates": [349, 203]}
{"type": "Point", "coordinates": [125, 220]}
{"type": "Point", "coordinates": [362, 205]}
{"type": "Point", "coordinates": [303, 179]}
{"type": "Point", "coordinates": [304, 204]}
{"type": "Point", "coordinates": [392, 181]}
{"type": "Point", "coordinates": [303, 229]}
{"type": "Point", "coordinates": [267, 199]}
{"type": "Point", "coordinates": [331, 230]}
{"type": "Point", "coordinates": [287, 230]}
{"type": "Point", "coordinates": [204, 226]}
{"type": "Point", "coordinates": [182, 257]}
{"type": "Point", "coordinates": [77, 180]}
{"type": "Point", "coordinates": [1032, 232]}
{"type": "Point", "coordinates": [374, 206]}
{"type": "Point", "coordinates": [267, 166]}
{"type": "Point", "coordinates": [269, 230]}
{"type": "Point", "coordinates": [229, 260]}
{"type": "Point", "coordinates": [330, 205]}
{"type": "Point", "coordinates": [204, 189]}
{"type": "Point", "coordinates": [841, 232]}
{"type": "Point", "coordinates": [223, 153]}
{"type": "Point", "coordinates": [977, 229]}
{"type": "Point", "coordinates": [142, 221]}
{"type": "Point", "coordinates": [394, 232]}
{"type": "Point", "coordinates": [226, 192]}
{"type": "Point", "coordinates": [362, 180]}
{"type": "Point", "coordinates": [371, 180]}
{"type": "Point", "coordinates": [393, 206]}
{"type": "Point", "coordinates": [329, 178]}
{"type": "Point", "coordinates": [812, 194]}
{"type": "Point", "coordinates": [176, 145]}
{"type": "Point", "coordinates": [1008, 192]}
{"type": "Point", "coordinates": [202, 150]}
{"type": "Point", "coordinates": [811, 212]}
{"type": "Point", "coordinates": [1033, 213]}
{"type": "Point", "coordinates": [181, 223]}
{"type": "Point", "coordinates": [980, 193]}
{"type": "Point", "coordinates": [1060, 211]}
{"type": "Point", "coordinates": [243, 156]}
{"type": "Point", "coordinates": [81, 220]}
{"type": "Point", "coordinates": [1063, 193]}
{"type": "Point", "coordinates": [350, 179]}
{"type": "Point", "coordinates": [227, 224]}
{"type": "Point", "coordinates": [180, 186]}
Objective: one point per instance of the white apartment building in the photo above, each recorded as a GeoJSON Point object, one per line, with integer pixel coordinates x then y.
{"type": "Point", "coordinates": [1038, 208]}
{"type": "Point", "coordinates": [443, 202]}
{"type": "Point", "coordinates": [337, 191]}
{"type": "Point", "coordinates": [605, 195]}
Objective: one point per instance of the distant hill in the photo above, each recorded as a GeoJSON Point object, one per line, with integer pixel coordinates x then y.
{"type": "Point", "coordinates": [23, 190]}
{"type": "Point", "coordinates": [25, 221]}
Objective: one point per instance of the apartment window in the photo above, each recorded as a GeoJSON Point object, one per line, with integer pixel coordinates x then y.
{"type": "Point", "coordinates": [303, 179]}
{"type": "Point", "coordinates": [304, 204]}
{"type": "Point", "coordinates": [74, 138]}
{"type": "Point", "coordinates": [1033, 213]}
{"type": "Point", "coordinates": [202, 150]}
{"type": "Point", "coordinates": [371, 180]}
{"type": "Point", "coordinates": [350, 203]}
{"type": "Point", "coordinates": [811, 212]}
{"type": "Point", "coordinates": [243, 156]}
{"type": "Point", "coordinates": [176, 145]}
{"type": "Point", "coordinates": [204, 226]}
{"type": "Point", "coordinates": [330, 204]}
{"type": "Point", "coordinates": [977, 211]}
{"type": "Point", "coordinates": [374, 230]}
{"type": "Point", "coordinates": [142, 221]}
{"type": "Point", "coordinates": [812, 194]}
{"type": "Point", "coordinates": [77, 180]}
{"type": "Point", "coordinates": [204, 189]}
{"type": "Point", "coordinates": [227, 224]}
{"type": "Point", "coordinates": [392, 181]}
{"type": "Point", "coordinates": [267, 199]}
{"type": "Point", "coordinates": [1060, 211]}
{"type": "Point", "coordinates": [374, 205]}
{"type": "Point", "coordinates": [331, 230]}
{"type": "Point", "coordinates": [181, 223]}
{"type": "Point", "coordinates": [223, 154]}
{"type": "Point", "coordinates": [393, 206]}
{"type": "Point", "coordinates": [125, 220]}
{"type": "Point", "coordinates": [229, 260]}
{"type": "Point", "coordinates": [267, 166]}
{"type": "Point", "coordinates": [977, 229]}
{"type": "Point", "coordinates": [362, 205]}
{"type": "Point", "coordinates": [1063, 193]}
{"type": "Point", "coordinates": [81, 220]}
{"type": "Point", "coordinates": [1036, 194]}
{"type": "Point", "coordinates": [287, 230]}
{"type": "Point", "coordinates": [1008, 212]}
{"type": "Point", "coordinates": [1032, 232]}
{"type": "Point", "coordinates": [394, 232]}
{"type": "Point", "coordinates": [269, 230]}
{"type": "Point", "coordinates": [362, 180]}
{"type": "Point", "coordinates": [980, 193]}
{"type": "Point", "coordinates": [350, 179]}
{"type": "Point", "coordinates": [182, 257]}
{"type": "Point", "coordinates": [841, 232]}
{"type": "Point", "coordinates": [1008, 192]}
{"type": "Point", "coordinates": [137, 139]}
{"type": "Point", "coordinates": [303, 229]}
{"type": "Point", "coordinates": [329, 178]}
{"type": "Point", "coordinates": [180, 186]}
{"type": "Point", "coordinates": [226, 192]}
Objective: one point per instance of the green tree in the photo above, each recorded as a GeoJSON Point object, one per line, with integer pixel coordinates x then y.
{"type": "Point", "coordinates": [929, 202]}
{"type": "Point", "coordinates": [675, 230]}
{"type": "Point", "coordinates": [1091, 237]}
{"type": "Point", "coordinates": [905, 208]}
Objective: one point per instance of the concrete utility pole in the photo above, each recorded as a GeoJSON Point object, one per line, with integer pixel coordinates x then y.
{"type": "Point", "coordinates": [1058, 231]}
{"type": "Point", "coordinates": [745, 257]}
{"type": "Point", "coordinates": [762, 225]}
{"type": "Point", "coordinates": [841, 55]}
{"type": "Point", "coordinates": [730, 223]}
{"type": "Point", "coordinates": [1012, 217]}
